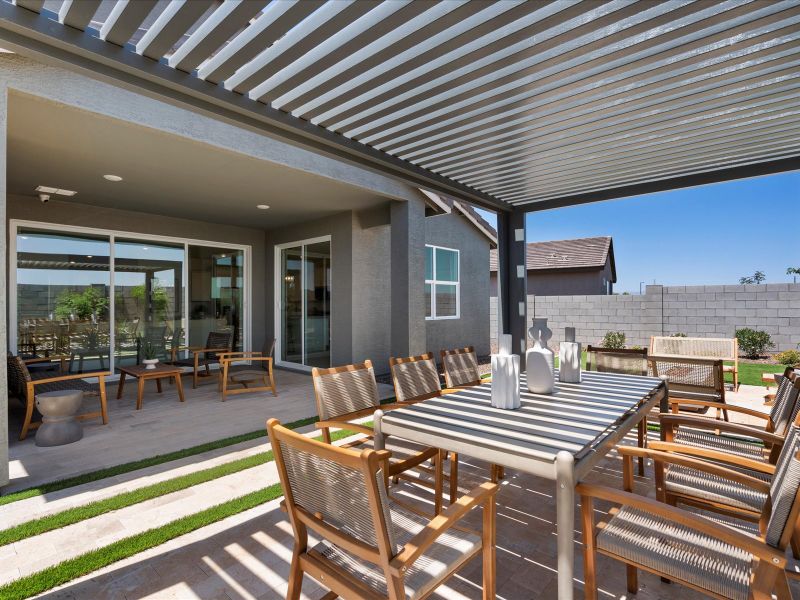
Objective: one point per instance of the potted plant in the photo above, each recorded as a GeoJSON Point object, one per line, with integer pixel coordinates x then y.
{"type": "Point", "coordinates": [149, 351]}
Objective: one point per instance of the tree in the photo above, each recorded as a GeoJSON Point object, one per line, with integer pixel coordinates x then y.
{"type": "Point", "coordinates": [756, 278]}
{"type": "Point", "coordinates": [793, 271]}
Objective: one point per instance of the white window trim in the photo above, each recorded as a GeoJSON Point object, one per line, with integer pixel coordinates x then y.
{"type": "Point", "coordinates": [433, 282]}
{"type": "Point", "coordinates": [15, 224]}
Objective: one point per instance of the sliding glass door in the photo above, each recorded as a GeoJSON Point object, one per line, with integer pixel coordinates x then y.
{"type": "Point", "coordinates": [304, 303]}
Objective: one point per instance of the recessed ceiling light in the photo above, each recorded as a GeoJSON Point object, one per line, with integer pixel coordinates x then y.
{"type": "Point", "coordinates": [51, 190]}
{"type": "Point", "coordinates": [89, 256]}
{"type": "Point", "coordinates": [262, 206]}
{"type": "Point", "coordinates": [145, 248]}
{"type": "Point", "coordinates": [112, 177]}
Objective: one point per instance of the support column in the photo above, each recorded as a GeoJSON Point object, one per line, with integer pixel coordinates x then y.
{"type": "Point", "coordinates": [512, 279]}
{"type": "Point", "coordinates": [3, 297]}
{"type": "Point", "coordinates": [408, 278]}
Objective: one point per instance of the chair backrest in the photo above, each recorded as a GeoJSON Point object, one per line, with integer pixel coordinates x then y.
{"type": "Point", "coordinates": [415, 377]}
{"type": "Point", "coordinates": [785, 408]}
{"type": "Point", "coordinates": [460, 367]}
{"type": "Point", "coordinates": [781, 511]}
{"type": "Point", "coordinates": [18, 375]}
{"type": "Point", "coordinates": [219, 340]}
{"type": "Point", "coordinates": [697, 378]}
{"type": "Point", "coordinates": [629, 361]}
{"type": "Point", "coordinates": [327, 487]}
{"type": "Point", "coordinates": [343, 390]}
{"type": "Point", "coordinates": [722, 348]}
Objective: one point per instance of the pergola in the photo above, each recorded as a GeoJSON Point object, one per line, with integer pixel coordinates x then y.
{"type": "Point", "coordinates": [514, 106]}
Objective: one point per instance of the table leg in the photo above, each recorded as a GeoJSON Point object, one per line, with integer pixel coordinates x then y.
{"type": "Point", "coordinates": [565, 522]}
{"type": "Point", "coordinates": [121, 384]}
{"type": "Point", "coordinates": [140, 393]}
{"type": "Point", "coordinates": [663, 405]}
{"type": "Point", "coordinates": [378, 439]}
{"type": "Point", "coordinates": [158, 384]}
{"type": "Point", "coordinates": [179, 385]}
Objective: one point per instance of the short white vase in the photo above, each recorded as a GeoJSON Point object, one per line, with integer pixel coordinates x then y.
{"type": "Point", "coordinates": [539, 359]}
{"type": "Point", "coordinates": [150, 363]}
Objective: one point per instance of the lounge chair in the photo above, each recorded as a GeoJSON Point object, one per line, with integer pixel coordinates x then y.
{"type": "Point", "coordinates": [217, 341]}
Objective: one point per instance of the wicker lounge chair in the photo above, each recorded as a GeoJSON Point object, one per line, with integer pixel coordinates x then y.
{"type": "Point", "coordinates": [25, 386]}
{"type": "Point", "coordinates": [371, 546]}
{"type": "Point", "coordinates": [346, 394]}
{"type": "Point", "coordinates": [628, 361]}
{"type": "Point", "coordinates": [243, 379]}
{"type": "Point", "coordinates": [217, 341]}
{"type": "Point", "coordinates": [688, 548]}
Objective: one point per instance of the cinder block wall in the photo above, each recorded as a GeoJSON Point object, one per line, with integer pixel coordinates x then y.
{"type": "Point", "coordinates": [697, 311]}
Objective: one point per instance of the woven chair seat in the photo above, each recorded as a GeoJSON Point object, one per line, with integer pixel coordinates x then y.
{"type": "Point", "coordinates": [448, 552]}
{"type": "Point", "coordinates": [91, 389]}
{"type": "Point", "coordinates": [697, 484]}
{"type": "Point", "coordinates": [248, 374]}
{"type": "Point", "coordinates": [698, 438]}
{"type": "Point", "coordinates": [681, 553]}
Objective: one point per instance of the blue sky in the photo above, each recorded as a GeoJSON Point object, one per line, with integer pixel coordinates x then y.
{"type": "Point", "coordinates": [712, 234]}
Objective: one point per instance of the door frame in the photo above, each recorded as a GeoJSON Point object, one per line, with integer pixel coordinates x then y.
{"type": "Point", "coordinates": [278, 294]}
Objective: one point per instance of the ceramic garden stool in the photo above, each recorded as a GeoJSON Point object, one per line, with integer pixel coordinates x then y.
{"type": "Point", "coordinates": [59, 425]}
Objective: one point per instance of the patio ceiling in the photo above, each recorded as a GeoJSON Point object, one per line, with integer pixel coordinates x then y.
{"type": "Point", "coordinates": [508, 103]}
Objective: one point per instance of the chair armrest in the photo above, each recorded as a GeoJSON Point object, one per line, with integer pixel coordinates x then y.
{"type": "Point", "coordinates": [245, 354]}
{"type": "Point", "coordinates": [345, 425]}
{"type": "Point", "coordinates": [43, 359]}
{"type": "Point", "coordinates": [713, 455]}
{"type": "Point", "coordinates": [201, 350]}
{"type": "Point", "coordinates": [728, 535]}
{"type": "Point", "coordinates": [729, 407]}
{"type": "Point", "coordinates": [693, 463]}
{"type": "Point", "coordinates": [100, 375]}
{"type": "Point", "coordinates": [414, 548]}
{"type": "Point", "coordinates": [722, 426]}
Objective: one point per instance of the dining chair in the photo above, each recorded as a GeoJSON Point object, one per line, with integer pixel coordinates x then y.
{"type": "Point", "coordinates": [688, 548]}
{"type": "Point", "coordinates": [415, 378]}
{"type": "Point", "coordinates": [349, 393]}
{"type": "Point", "coordinates": [627, 361]}
{"type": "Point", "coordinates": [460, 367]}
{"type": "Point", "coordinates": [371, 546]}
{"type": "Point", "coordinates": [695, 384]}
{"type": "Point", "coordinates": [217, 341]}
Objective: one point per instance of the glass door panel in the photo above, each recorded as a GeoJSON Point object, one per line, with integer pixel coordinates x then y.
{"type": "Point", "coordinates": [317, 313]}
{"type": "Point", "coordinates": [216, 292]}
{"type": "Point", "coordinates": [63, 283]}
{"type": "Point", "coordinates": [148, 300]}
{"type": "Point", "coordinates": [291, 329]}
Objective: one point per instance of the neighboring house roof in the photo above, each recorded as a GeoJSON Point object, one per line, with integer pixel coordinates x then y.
{"type": "Point", "coordinates": [446, 205]}
{"type": "Point", "coordinates": [584, 254]}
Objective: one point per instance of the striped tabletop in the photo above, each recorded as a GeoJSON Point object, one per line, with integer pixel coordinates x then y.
{"type": "Point", "coordinates": [577, 418]}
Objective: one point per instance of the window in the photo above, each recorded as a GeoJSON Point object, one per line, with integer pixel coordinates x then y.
{"type": "Point", "coordinates": [441, 283]}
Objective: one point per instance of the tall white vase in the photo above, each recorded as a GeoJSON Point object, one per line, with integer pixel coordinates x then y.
{"type": "Point", "coordinates": [539, 359]}
{"type": "Point", "coordinates": [505, 376]}
{"type": "Point", "coordinates": [569, 358]}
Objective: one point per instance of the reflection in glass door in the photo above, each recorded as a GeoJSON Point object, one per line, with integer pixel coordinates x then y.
{"type": "Point", "coordinates": [304, 280]}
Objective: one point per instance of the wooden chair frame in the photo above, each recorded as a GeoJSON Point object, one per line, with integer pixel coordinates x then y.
{"type": "Point", "coordinates": [393, 470]}
{"type": "Point", "coordinates": [394, 566]}
{"type": "Point", "coordinates": [733, 355]}
{"type": "Point", "coordinates": [226, 378]}
{"type": "Point", "coordinates": [30, 396]}
{"type": "Point", "coordinates": [447, 378]}
{"type": "Point", "coordinates": [196, 353]}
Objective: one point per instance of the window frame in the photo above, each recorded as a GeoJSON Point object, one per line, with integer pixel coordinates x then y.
{"type": "Point", "coordinates": [434, 282]}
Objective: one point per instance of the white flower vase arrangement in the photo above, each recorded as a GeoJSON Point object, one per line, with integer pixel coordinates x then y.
{"type": "Point", "coordinates": [505, 376]}
{"type": "Point", "coordinates": [539, 359]}
{"type": "Point", "coordinates": [569, 358]}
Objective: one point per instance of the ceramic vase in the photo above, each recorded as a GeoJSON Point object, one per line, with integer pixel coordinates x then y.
{"type": "Point", "coordinates": [569, 358]}
{"type": "Point", "coordinates": [539, 359]}
{"type": "Point", "coordinates": [505, 376]}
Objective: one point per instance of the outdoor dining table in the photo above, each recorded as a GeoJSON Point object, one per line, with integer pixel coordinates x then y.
{"type": "Point", "coordinates": [559, 436]}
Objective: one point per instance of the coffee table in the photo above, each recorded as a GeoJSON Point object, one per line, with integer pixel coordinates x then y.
{"type": "Point", "coordinates": [141, 373]}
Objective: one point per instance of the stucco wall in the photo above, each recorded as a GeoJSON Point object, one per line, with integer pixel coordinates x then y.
{"type": "Point", "coordinates": [567, 283]}
{"type": "Point", "coordinates": [472, 328]}
{"type": "Point", "coordinates": [697, 311]}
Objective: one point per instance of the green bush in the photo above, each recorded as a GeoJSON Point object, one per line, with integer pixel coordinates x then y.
{"type": "Point", "coordinates": [789, 358]}
{"type": "Point", "coordinates": [753, 343]}
{"type": "Point", "coordinates": [679, 334]}
{"type": "Point", "coordinates": [613, 339]}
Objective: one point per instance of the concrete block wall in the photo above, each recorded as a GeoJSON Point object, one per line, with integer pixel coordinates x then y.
{"type": "Point", "coordinates": [697, 311]}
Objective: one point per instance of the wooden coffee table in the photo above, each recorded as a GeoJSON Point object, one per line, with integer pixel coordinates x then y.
{"type": "Point", "coordinates": [143, 374]}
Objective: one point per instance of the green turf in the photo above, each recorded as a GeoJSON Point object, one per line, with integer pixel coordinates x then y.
{"type": "Point", "coordinates": [750, 373]}
{"type": "Point", "coordinates": [93, 509]}
{"type": "Point", "coordinates": [44, 580]}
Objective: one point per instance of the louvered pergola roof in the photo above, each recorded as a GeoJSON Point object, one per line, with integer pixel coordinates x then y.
{"type": "Point", "coordinates": [508, 104]}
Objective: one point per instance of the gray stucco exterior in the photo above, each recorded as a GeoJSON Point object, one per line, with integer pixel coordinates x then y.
{"type": "Point", "coordinates": [595, 282]}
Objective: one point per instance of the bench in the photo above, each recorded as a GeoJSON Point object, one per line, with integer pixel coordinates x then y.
{"type": "Point", "coordinates": [706, 348]}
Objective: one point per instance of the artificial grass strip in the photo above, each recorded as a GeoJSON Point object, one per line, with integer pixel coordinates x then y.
{"type": "Point", "coordinates": [162, 488]}
{"type": "Point", "coordinates": [66, 571]}
{"type": "Point", "coordinates": [159, 459]}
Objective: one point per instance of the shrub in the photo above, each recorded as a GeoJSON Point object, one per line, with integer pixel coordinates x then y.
{"type": "Point", "coordinates": [679, 334]}
{"type": "Point", "coordinates": [753, 343]}
{"type": "Point", "coordinates": [613, 339]}
{"type": "Point", "coordinates": [789, 358]}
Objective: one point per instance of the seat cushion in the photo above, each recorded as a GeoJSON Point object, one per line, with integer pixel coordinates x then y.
{"type": "Point", "coordinates": [678, 552]}
{"type": "Point", "coordinates": [450, 550]}
{"type": "Point", "coordinates": [704, 486]}
{"type": "Point", "coordinates": [699, 438]}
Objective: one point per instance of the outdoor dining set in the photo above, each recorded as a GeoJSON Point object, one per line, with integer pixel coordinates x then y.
{"type": "Point", "coordinates": [717, 516]}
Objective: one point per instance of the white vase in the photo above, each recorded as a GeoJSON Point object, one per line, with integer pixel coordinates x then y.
{"type": "Point", "coordinates": [539, 359]}
{"type": "Point", "coordinates": [150, 363]}
{"type": "Point", "coordinates": [505, 376]}
{"type": "Point", "coordinates": [569, 358]}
